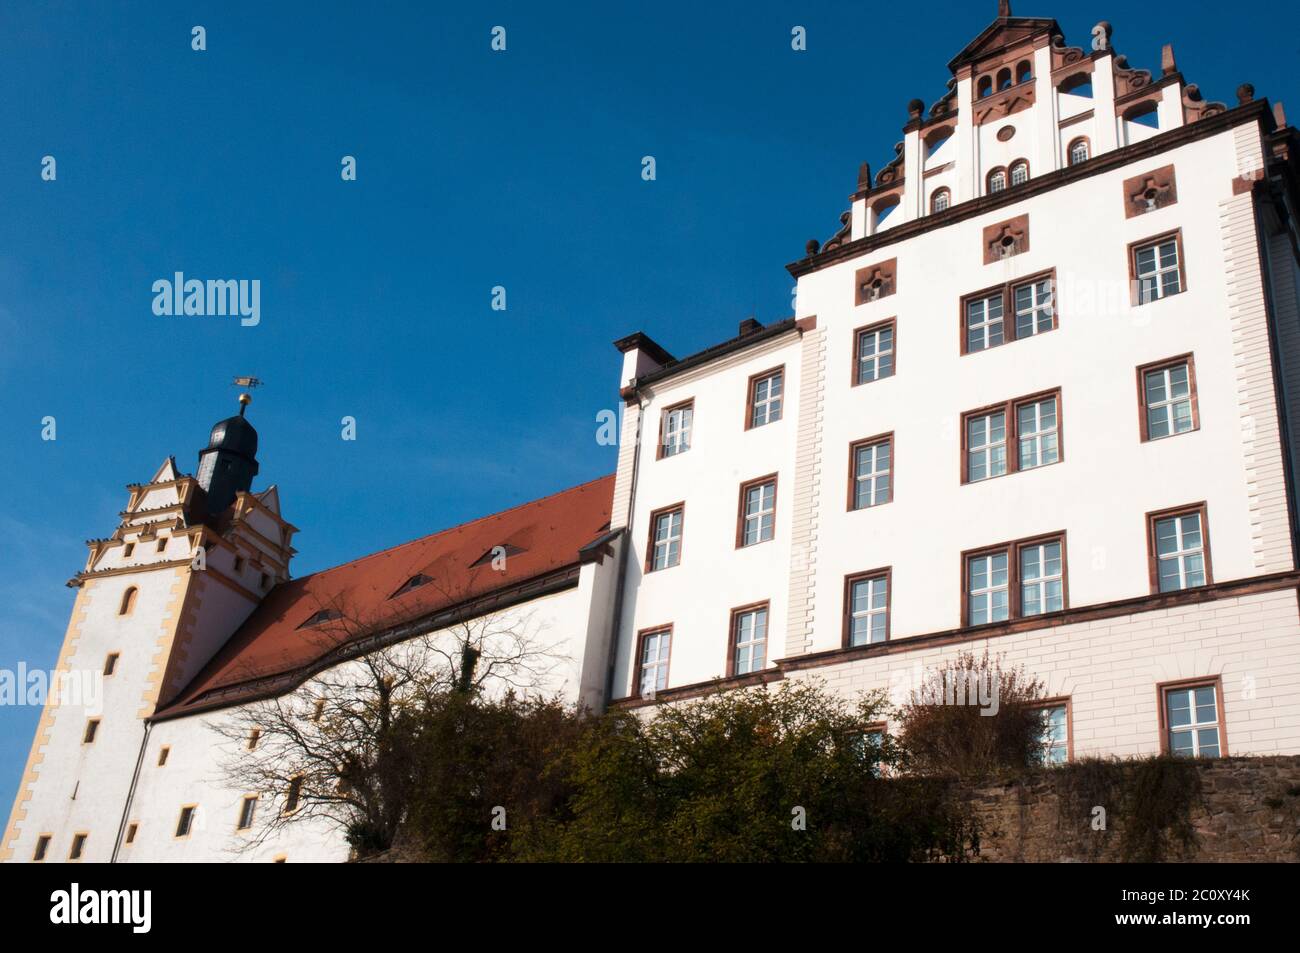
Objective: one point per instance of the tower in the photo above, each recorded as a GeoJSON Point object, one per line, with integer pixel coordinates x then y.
{"type": "Point", "coordinates": [190, 559]}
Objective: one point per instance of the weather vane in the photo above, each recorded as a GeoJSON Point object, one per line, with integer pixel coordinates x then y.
{"type": "Point", "coordinates": [246, 398]}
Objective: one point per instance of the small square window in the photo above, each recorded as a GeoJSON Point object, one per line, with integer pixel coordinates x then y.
{"type": "Point", "coordinates": [185, 823]}
{"type": "Point", "coordinates": [127, 550]}
{"type": "Point", "coordinates": [78, 846]}
{"type": "Point", "coordinates": [92, 729]}
{"type": "Point", "coordinates": [110, 663]}
{"type": "Point", "coordinates": [131, 830]}
{"type": "Point", "coordinates": [253, 737]}
{"type": "Point", "coordinates": [161, 547]}
{"type": "Point", "coordinates": [239, 564]}
{"type": "Point", "coordinates": [163, 752]}
{"type": "Point", "coordinates": [42, 848]}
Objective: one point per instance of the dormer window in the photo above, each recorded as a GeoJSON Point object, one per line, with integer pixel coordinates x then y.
{"type": "Point", "coordinates": [500, 551]}
{"type": "Point", "coordinates": [1019, 172]}
{"type": "Point", "coordinates": [324, 615]}
{"type": "Point", "coordinates": [997, 181]}
{"type": "Point", "coordinates": [415, 582]}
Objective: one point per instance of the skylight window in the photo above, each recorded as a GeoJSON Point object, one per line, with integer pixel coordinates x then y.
{"type": "Point", "coordinates": [495, 552]}
{"type": "Point", "coordinates": [324, 615]}
{"type": "Point", "coordinates": [415, 582]}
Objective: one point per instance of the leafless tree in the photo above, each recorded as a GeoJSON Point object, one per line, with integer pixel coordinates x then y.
{"type": "Point", "coordinates": [341, 748]}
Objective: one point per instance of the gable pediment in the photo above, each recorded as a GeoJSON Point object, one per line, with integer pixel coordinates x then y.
{"type": "Point", "coordinates": [1002, 33]}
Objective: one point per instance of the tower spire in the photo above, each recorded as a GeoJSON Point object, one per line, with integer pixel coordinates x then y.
{"type": "Point", "coordinates": [1004, 8]}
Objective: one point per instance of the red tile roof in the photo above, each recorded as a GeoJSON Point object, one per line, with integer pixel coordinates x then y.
{"type": "Point", "coordinates": [274, 643]}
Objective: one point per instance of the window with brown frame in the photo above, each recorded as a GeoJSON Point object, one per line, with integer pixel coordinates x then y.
{"type": "Point", "coordinates": [162, 545]}
{"type": "Point", "coordinates": [254, 735]}
{"type": "Point", "coordinates": [1156, 267]}
{"type": "Point", "coordinates": [1015, 580]}
{"type": "Point", "coordinates": [664, 548]}
{"type": "Point", "coordinates": [1178, 548]}
{"type": "Point", "coordinates": [293, 796]}
{"type": "Point", "coordinates": [873, 743]}
{"type": "Point", "coordinates": [653, 653]}
{"type": "Point", "coordinates": [127, 550]}
{"type": "Point", "coordinates": [132, 829]}
{"type": "Point", "coordinates": [1020, 434]}
{"type": "Point", "coordinates": [747, 641]}
{"type": "Point", "coordinates": [871, 471]}
{"type": "Point", "coordinates": [1167, 403]}
{"type": "Point", "coordinates": [940, 200]}
{"type": "Point", "coordinates": [997, 181]}
{"type": "Point", "coordinates": [247, 811]}
{"type": "Point", "coordinates": [1009, 312]}
{"type": "Point", "coordinates": [675, 424]}
{"type": "Point", "coordinates": [1019, 172]}
{"type": "Point", "coordinates": [1079, 151]}
{"type": "Point", "coordinates": [163, 752]}
{"type": "Point", "coordinates": [766, 398]}
{"type": "Point", "coordinates": [873, 352]}
{"type": "Point", "coordinates": [866, 607]}
{"type": "Point", "coordinates": [1058, 732]}
{"type": "Point", "coordinates": [756, 518]}
{"type": "Point", "coordinates": [42, 848]}
{"type": "Point", "coordinates": [1192, 722]}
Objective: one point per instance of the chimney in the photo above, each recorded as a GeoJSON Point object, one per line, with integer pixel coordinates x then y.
{"type": "Point", "coordinates": [750, 326]}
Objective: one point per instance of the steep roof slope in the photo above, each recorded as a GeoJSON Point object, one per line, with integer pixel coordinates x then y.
{"type": "Point", "coordinates": [396, 586]}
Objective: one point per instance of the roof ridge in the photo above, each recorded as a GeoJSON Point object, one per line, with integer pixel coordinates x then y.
{"type": "Point", "coordinates": [449, 529]}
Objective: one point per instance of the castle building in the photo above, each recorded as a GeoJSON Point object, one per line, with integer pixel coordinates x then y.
{"type": "Point", "coordinates": [1039, 397]}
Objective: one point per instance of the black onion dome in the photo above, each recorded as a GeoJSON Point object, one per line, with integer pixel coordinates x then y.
{"type": "Point", "coordinates": [234, 435]}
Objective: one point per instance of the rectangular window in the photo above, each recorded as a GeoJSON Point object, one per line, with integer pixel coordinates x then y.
{"type": "Point", "coordinates": [675, 429]}
{"type": "Point", "coordinates": [185, 823]}
{"type": "Point", "coordinates": [1167, 392]}
{"type": "Point", "coordinates": [748, 640]}
{"type": "Point", "coordinates": [254, 735]}
{"type": "Point", "coordinates": [873, 745]}
{"type": "Point", "coordinates": [986, 446]}
{"type": "Point", "coordinates": [1015, 580]}
{"type": "Point", "coordinates": [1192, 719]}
{"type": "Point", "coordinates": [766, 391]}
{"type": "Point", "coordinates": [1036, 433]}
{"type": "Point", "coordinates": [92, 729]}
{"type": "Point", "coordinates": [1010, 312]}
{"type": "Point", "coordinates": [652, 661]}
{"type": "Point", "coordinates": [1056, 733]}
{"type": "Point", "coordinates": [984, 322]}
{"type": "Point", "coordinates": [1156, 268]}
{"type": "Point", "coordinates": [1179, 548]}
{"type": "Point", "coordinates": [293, 796]}
{"type": "Point", "coordinates": [757, 511]}
{"type": "Point", "coordinates": [665, 549]}
{"type": "Point", "coordinates": [163, 752]}
{"type": "Point", "coordinates": [247, 809]}
{"type": "Point", "coordinates": [1034, 307]}
{"type": "Point", "coordinates": [110, 663]}
{"type": "Point", "coordinates": [162, 545]}
{"type": "Point", "coordinates": [866, 610]}
{"type": "Point", "coordinates": [42, 848]}
{"type": "Point", "coordinates": [1031, 425]}
{"type": "Point", "coordinates": [78, 846]}
{"type": "Point", "coordinates": [1042, 578]}
{"type": "Point", "coordinates": [873, 353]}
{"type": "Point", "coordinates": [871, 470]}
{"type": "Point", "coordinates": [131, 831]}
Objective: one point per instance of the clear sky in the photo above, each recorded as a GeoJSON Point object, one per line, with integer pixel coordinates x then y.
{"type": "Point", "coordinates": [474, 169]}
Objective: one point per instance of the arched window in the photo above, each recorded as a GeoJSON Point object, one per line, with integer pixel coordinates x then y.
{"type": "Point", "coordinates": [997, 180]}
{"type": "Point", "coordinates": [1004, 79]}
{"type": "Point", "coordinates": [1144, 114]}
{"type": "Point", "coordinates": [1024, 73]}
{"type": "Point", "coordinates": [940, 199]}
{"type": "Point", "coordinates": [1079, 151]}
{"type": "Point", "coordinates": [1080, 84]}
{"type": "Point", "coordinates": [1019, 172]}
{"type": "Point", "coordinates": [985, 87]}
{"type": "Point", "coordinates": [128, 601]}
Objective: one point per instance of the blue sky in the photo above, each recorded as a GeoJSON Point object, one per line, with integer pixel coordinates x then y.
{"type": "Point", "coordinates": [475, 169]}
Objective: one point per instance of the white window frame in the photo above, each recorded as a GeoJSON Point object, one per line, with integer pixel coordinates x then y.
{"type": "Point", "coordinates": [1152, 283]}
{"type": "Point", "coordinates": [763, 517]}
{"type": "Point", "coordinates": [880, 480]}
{"type": "Point", "coordinates": [1021, 167]}
{"type": "Point", "coordinates": [655, 670]}
{"type": "Point", "coordinates": [663, 545]}
{"type": "Point", "coordinates": [1042, 440]}
{"type": "Point", "coordinates": [1039, 583]}
{"type": "Point", "coordinates": [767, 409]}
{"type": "Point", "coordinates": [749, 654]}
{"type": "Point", "coordinates": [1183, 552]}
{"type": "Point", "coordinates": [985, 452]}
{"type": "Point", "coordinates": [876, 586]}
{"type": "Point", "coordinates": [677, 430]}
{"type": "Point", "coordinates": [988, 326]}
{"type": "Point", "coordinates": [997, 181]}
{"type": "Point", "coordinates": [991, 589]}
{"type": "Point", "coordinates": [1167, 407]}
{"type": "Point", "coordinates": [1051, 745]}
{"type": "Point", "coordinates": [1075, 158]}
{"type": "Point", "coordinates": [1195, 726]}
{"type": "Point", "coordinates": [1042, 302]}
{"type": "Point", "coordinates": [876, 336]}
